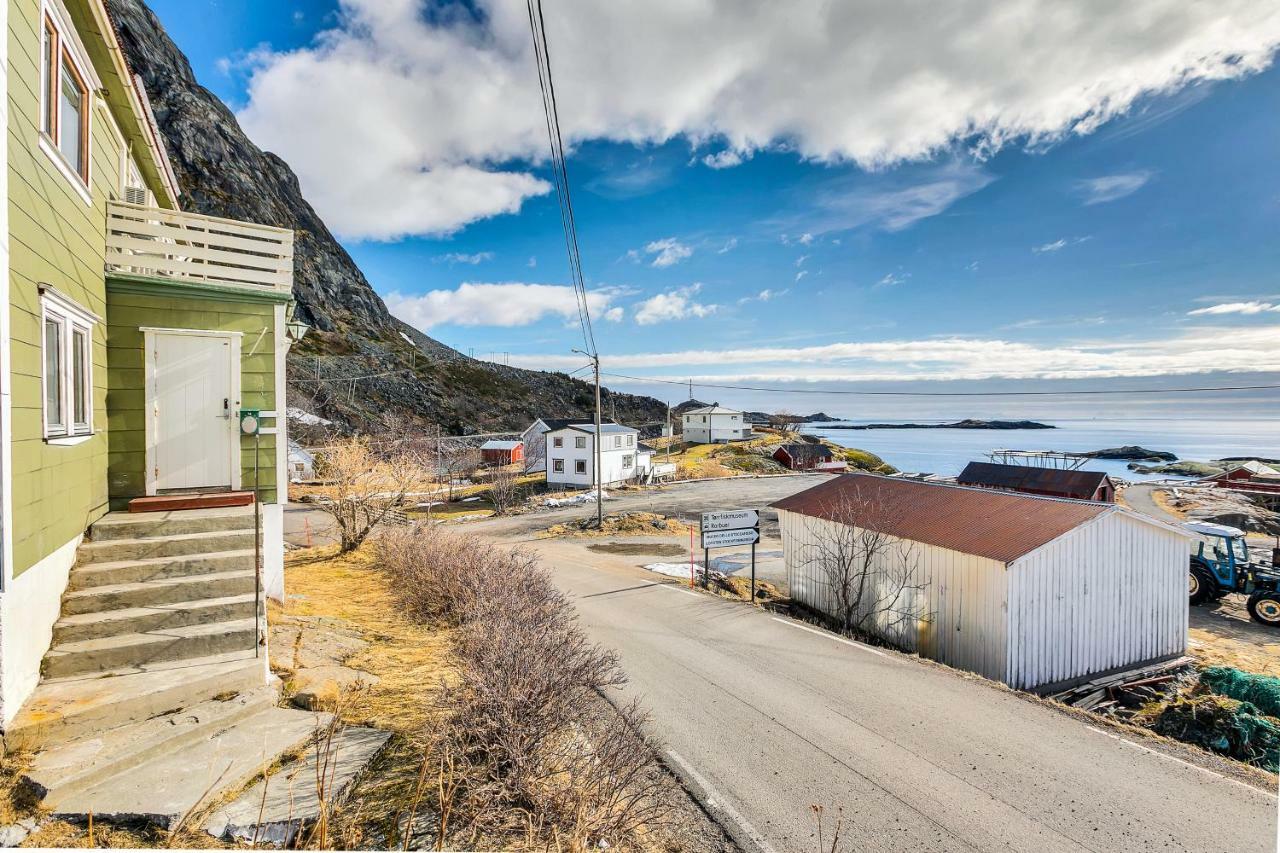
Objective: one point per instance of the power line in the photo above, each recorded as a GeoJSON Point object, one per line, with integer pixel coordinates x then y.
{"type": "Point", "coordinates": [559, 169]}
{"type": "Point", "coordinates": [944, 393]}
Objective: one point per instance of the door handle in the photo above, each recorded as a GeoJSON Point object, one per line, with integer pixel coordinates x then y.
{"type": "Point", "coordinates": [226, 408]}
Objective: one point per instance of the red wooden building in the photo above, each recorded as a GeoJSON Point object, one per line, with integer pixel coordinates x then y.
{"type": "Point", "coordinates": [803, 457]}
{"type": "Point", "coordinates": [495, 452]}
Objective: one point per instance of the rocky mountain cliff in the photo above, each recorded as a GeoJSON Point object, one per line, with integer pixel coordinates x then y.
{"type": "Point", "coordinates": [402, 371]}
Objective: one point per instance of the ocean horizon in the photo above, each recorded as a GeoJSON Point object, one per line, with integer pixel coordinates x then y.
{"type": "Point", "coordinates": [946, 451]}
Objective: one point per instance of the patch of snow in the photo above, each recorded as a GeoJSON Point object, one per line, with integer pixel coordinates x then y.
{"type": "Point", "coordinates": [408, 339]}
{"type": "Point", "coordinates": [674, 570]}
{"type": "Point", "coordinates": [302, 416]}
{"type": "Point", "coordinates": [575, 500]}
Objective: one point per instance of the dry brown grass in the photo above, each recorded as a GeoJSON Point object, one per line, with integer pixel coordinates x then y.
{"type": "Point", "coordinates": [621, 524]}
{"type": "Point", "coordinates": [411, 661]}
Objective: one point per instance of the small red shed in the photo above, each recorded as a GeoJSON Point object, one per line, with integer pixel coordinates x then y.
{"type": "Point", "coordinates": [803, 457]}
{"type": "Point", "coordinates": [495, 452]}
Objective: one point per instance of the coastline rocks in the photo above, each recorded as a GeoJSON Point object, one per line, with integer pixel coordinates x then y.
{"type": "Point", "coordinates": [1185, 468]}
{"type": "Point", "coordinates": [1133, 453]}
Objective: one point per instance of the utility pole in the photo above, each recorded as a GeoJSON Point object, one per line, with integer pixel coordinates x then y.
{"type": "Point", "coordinates": [599, 440]}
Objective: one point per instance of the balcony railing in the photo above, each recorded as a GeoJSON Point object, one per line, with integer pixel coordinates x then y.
{"type": "Point", "coordinates": [188, 247]}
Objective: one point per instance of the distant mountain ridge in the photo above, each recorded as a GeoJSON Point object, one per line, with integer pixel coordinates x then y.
{"type": "Point", "coordinates": [397, 369]}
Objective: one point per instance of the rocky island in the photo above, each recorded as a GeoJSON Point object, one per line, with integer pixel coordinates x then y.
{"type": "Point", "coordinates": [967, 423]}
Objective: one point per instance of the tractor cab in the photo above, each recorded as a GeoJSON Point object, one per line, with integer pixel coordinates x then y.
{"type": "Point", "coordinates": [1220, 565]}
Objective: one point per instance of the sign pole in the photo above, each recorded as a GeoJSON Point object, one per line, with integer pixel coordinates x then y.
{"type": "Point", "coordinates": [753, 573]}
{"type": "Point", "coordinates": [691, 581]}
{"type": "Point", "coordinates": [706, 568]}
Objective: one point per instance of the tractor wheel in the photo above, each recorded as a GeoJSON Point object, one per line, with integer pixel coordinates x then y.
{"type": "Point", "coordinates": [1264, 607]}
{"type": "Point", "coordinates": [1201, 585]}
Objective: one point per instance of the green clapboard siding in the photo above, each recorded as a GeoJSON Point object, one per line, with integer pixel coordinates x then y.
{"type": "Point", "coordinates": [134, 303]}
{"type": "Point", "coordinates": [55, 238]}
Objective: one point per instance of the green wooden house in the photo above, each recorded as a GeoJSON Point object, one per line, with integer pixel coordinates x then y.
{"type": "Point", "coordinates": [133, 335]}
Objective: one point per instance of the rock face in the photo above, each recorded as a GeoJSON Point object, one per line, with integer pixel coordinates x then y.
{"type": "Point", "coordinates": [222, 173]}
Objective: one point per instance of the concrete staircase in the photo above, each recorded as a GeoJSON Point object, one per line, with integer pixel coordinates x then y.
{"type": "Point", "coordinates": [155, 695]}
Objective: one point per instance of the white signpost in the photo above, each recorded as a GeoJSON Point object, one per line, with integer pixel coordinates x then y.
{"type": "Point", "coordinates": [730, 538]}
{"type": "Point", "coordinates": [733, 519]}
{"type": "Point", "coordinates": [727, 529]}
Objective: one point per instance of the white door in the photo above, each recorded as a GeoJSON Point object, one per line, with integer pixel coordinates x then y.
{"type": "Point", "coordinates": [194, 410]}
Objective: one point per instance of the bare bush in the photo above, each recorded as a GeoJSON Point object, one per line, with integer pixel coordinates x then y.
{"type": "Point", "coordinates": [874, 578]}
{"type": "Point", "coordinates": [505, 491]}
{"type": "Point", "coordinates": [526, 740]}
{"type": "Point", "coordinates": [365, 481]}
{"type": "Point", "coordinates": [456, 461]}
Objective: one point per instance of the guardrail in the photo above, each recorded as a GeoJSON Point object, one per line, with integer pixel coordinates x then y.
{"type": "Point", "coordinates": [157, 243]}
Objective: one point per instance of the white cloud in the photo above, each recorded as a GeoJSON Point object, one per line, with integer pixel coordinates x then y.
{"type": "Point", "coordinates": [533, 261]}
{"type": "Point", "coordinates": [893, 278]}
{"type": "Point", "coordinates": [800, 260]}
{"type": "Point", "coordinates": [667, 252]}
{"type": "Point", "coordinates": [725, 159]}
{"type": "Point", "coordinates": [806, 239]}
{"type": "Point", "coordinates": [1111, 187]}
{"type": "Point", "coordinates": [801, 274]}
{"type": "Point", "coordinates": [765, 295]}
{"type": "Point", "coordinates": [1200, 350]}
{"type": "Point", "coordinates": [1056, 245]}
{"type": "Point", "coordinates": [614, 314]}
{"type": "Point", "coordinates": [401, 122]}
{"type": "Point", "coordinates": [459, 258]}
{"type": "Point", "coordinates": [1251, 307]}
{"type": "Point", "coordinates": [505, 304]}
{"type": "Point", "coordinates": [676, 304]}
{"type": "Point", "coordinates": [729, 246]}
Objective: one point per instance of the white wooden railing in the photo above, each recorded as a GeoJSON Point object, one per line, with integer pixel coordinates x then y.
{"type": "Point", "coordinates": [157, 243]}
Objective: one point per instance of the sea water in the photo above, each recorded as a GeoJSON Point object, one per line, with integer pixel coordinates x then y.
{"type": "Point", "coordinates": [946, 451]}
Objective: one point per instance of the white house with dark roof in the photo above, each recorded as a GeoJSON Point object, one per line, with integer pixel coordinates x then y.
{"type": "Point", "coordinates": [714, 424]}
{"type": "Point", "coordinates": [571, 455]}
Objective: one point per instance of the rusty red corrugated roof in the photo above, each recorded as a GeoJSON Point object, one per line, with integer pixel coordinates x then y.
{"type": "Point", "coordinates": [1001, 526]}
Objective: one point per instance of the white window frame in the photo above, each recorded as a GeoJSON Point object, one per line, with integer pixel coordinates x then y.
{"type": "Point", "coordinates": [579, 466]}
{"type": "Point", "coordinates": [557, 466]}
{"type": "Point", "coordinates": [558, 441]}
{"type": "Point", "coordinates": [69, 47]}
{"type": "Point", "coordinates": [71, 318]}
{"type": "Point", "coordinates": [631, 440]}
{"type": "Point", "coordinates": [580, 442]}
{"type": "Point", "coordinates": [628, 461]}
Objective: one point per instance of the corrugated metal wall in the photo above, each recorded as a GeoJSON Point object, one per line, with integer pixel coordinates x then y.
{"type": "Point", "coordinates": [1110, 593]}
{"type": "Point", "coordinates": [962, 603]}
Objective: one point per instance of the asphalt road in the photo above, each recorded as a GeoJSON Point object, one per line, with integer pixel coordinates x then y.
{"type": "Point", "coordinates": [764, 718]}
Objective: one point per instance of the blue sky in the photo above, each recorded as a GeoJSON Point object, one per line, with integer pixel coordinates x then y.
{"type": "Point", "coordinates": [1032, 239]}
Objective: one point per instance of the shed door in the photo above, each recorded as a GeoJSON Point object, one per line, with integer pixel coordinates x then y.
{"type": "Point", "coordinates": [194, 427]}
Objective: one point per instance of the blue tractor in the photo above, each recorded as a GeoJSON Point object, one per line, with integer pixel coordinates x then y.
{"type": "Point", "coordinates": [1220, 565]}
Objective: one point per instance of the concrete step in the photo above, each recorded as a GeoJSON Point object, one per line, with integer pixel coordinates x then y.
{"type": "Point", "coordinates": [180, 502]}
{"type": "Point", "coordinates": [159, 591]}
{"type": "Point", "coordinates": [139, 620]}
{"type": "Point", "coordinates": [134, 571]}
{"type": "Point", "coordinates": [69, 768]}
{"type": "Point", "coordinates": [141, 525]}
{"type": "Point", "coordinates": [190, 641]}
{"type": "Point", "coordinates": [163, 789]}
{"type": "Point", "coordinates": [113, 550]}
{"type": "Point", "coordinates": [66, 708]}
{"type": "Point", "coordinates": [274, 810]}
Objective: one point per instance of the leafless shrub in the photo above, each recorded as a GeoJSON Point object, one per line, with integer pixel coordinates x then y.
{"type": "Point", "coordinates": [873, 578]}
{"type": "Point", "coordinates": [527, 743]}
{"type": "Point", "coordinates": [365, 480]}
{"type": "Point", "coordinates": [505, 491]}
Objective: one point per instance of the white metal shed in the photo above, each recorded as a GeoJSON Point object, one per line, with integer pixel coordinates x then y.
{"type": "Point", "coordinates": [1037, 592]}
